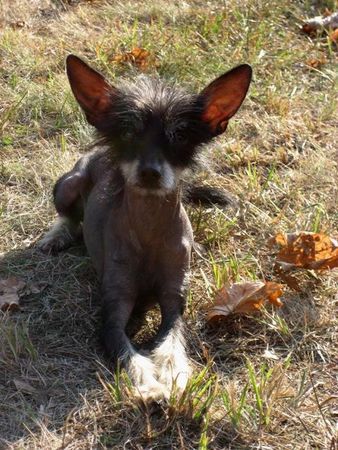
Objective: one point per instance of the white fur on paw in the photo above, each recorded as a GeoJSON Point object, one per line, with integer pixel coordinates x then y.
{"type": "Point", "coordinates": [48, 243]}
{"type": "Point", "coordinates": [57, 237]}
{"type": "Point", "coordinates": [151, 391]}
{"type": "Point", "coordinates": [172, 363]}
{"type": "Point", "coordinates": [141, 371]}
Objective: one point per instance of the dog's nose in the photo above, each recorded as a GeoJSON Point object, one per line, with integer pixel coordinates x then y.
{"type": "Point", "coordinates": [150, 175]}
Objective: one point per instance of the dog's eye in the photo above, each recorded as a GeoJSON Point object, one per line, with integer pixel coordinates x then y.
{"type": "Point", "coordinates": [131, 131]}
{"type": "Point", "coordinates": [180, 137]}
{"type": "Point", "coordinates": [127, 136]}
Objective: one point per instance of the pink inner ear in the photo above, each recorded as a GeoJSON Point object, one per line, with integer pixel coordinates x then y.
{"type": "Point", "coordinates": [213, 115]}
{"type": "Point", "coordinates": [97, 101]}
{"type": "Point", "coordinates": [222, 106]}
{"type": "Point", "coordinates": [90, 88]}
{"type": "Point", "coordinates": [224, 96]}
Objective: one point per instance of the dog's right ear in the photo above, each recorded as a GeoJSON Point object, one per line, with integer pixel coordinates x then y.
{"type": "Point", "coordinates": [223, 97]}
{"type": "Point", "coordinates": [93, 93]}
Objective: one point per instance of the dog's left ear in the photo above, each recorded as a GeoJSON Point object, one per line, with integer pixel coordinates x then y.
{"type": "Point", "coordinates": [223, 97]}
{"type": "Point", "coordinates": [93, 93]}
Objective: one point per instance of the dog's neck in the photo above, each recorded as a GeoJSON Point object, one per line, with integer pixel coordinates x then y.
{"type": "Point", "coordinates": [142, 206]}
{"type": "Point", "coordinates": [150, 216]}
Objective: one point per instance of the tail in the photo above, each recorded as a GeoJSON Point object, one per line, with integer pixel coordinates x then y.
{"type": "Point", "coordinates": [206, 195]}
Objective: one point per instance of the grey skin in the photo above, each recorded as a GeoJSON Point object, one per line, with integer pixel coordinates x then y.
{"type": "Point", "coordinates": [126, 194]}
{"type": "Point", "coordinates": [140, 244]}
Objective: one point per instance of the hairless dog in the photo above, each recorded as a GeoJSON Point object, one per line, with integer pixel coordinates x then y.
{"type": "Point", "coordinates": [125, 197]}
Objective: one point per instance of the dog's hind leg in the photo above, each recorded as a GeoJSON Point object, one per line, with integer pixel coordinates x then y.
{"type": "Point", "coordinates": [69, 205]}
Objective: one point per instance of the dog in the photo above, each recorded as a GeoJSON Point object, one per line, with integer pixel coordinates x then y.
{"type": "Point", "coordinates": [125, 197]}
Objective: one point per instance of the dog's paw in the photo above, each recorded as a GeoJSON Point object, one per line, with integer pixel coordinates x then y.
{"type": "Point", "coordinates": [175, 376]}
{"type": "Point", "coordinates": [53, 244]}
{"type": "Point", "coordinates": [151, 392]}
{"type": "Point", "coordinates": [142, 372]}
{"type": "Point", "coordinates": [172, 363]}
{"type": "Point", "coordinates": [60, 237]}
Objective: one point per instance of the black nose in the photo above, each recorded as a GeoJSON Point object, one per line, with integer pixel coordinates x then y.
{"type": "Point", "coordinates": [150, 176]}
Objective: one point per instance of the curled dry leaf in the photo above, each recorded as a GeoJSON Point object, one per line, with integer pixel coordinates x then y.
{"type": "Point", "coordinates": [306, 250]}
{"type": "Point", "coordinates": [137, 56]}
{"type": "Point", "coordinates": [24, 387]}
{"type": "Point", "coordinates": [244, 298]}
{"type": "Point", "coordinates": [329, 21]}
{"type": "Point", "coordinates": [9, 293]}
{"type": "Point", "coordinates": [334, 36]}
{"type": "Point", "coordinates": [34, 288]}
{"type": "Point", "coordinates": [316, 63]}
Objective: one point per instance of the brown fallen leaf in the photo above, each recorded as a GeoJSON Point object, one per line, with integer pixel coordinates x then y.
{"type": "Point", "coordinates": [306, 250]}
{"type": "Point", "coordinates": [290, 280]}
{"type": "Point", "coordinates": [137, 56]}
{"type": "Point", "coordinates": [24, 387]}
{"type": "Point", "coordinates": [316, 63]}
{"type": "Point", "coordinates": [328, 21]}
{"type": "Point", "coordinates": [9, 293]}
{"type": "Point", "coordinates": [244, 298]}
{"type": "Point", "coordinates": [334, 36]}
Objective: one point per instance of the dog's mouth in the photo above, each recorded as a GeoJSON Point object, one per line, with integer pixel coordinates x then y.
{"type": "Point", "coordinates": [149, 185]}
{"type": "Point", "coordinates": [149, 181]}
{"type": "Point", "coordinates": [145, 189]}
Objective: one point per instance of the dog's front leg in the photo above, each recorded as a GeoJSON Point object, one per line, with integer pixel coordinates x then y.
{"type": "Point", "coordinates": [170, 357]}
{"type": "Point", "coordinates": [118, 296]}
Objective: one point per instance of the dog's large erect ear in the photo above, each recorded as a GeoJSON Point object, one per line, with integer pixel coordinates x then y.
{"type": "Point", "coordinates": [91, 90]}
{"type": "Point", "coordinates": [224, 96]}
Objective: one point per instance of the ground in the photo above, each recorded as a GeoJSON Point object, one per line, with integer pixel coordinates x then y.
{"type": "Point", "coordinates": [268, 381]}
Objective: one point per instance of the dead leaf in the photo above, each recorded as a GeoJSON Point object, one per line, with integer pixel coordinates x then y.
{"type": "Point", "coordinates": [34, 288]}
{"type": "Point", "coordinates": [244, 298]}
{"type": "Point", "coordinates": [316, 63]}
{"type": "Point", "coordinates": [309, 29]}
{"type": "Point", "coordinates": [12, 283]}
{"type": "Point", "coordinates": [334, 36]}
{"type": "Point", "coordinates": [25, 387]}
{"type": "Point", "coordinates": [328, 21]}
{"type": "Point", "coordinates": [137, 56]}
{"type": "Point", "coordinates": [290, 280]}
{"type": "Point", "coordinates": [306, 250]}
{"type": "Point", "coordinates": [9, 293]}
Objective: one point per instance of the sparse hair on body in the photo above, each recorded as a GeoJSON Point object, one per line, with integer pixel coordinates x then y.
{"type": "Point", "coordinates": [126, 198]}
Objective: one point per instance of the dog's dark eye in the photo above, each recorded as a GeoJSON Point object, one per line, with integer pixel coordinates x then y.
{"type": "Point", "coordinates": [180, 138]}
{"type": "Point", "coordinates": [127, 136]}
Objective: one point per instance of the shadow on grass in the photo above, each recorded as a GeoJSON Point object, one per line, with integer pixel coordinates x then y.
{"type": "Point", "coordinates": [51, 389]}
{"type": "Point", "coordinates": [48, 348]}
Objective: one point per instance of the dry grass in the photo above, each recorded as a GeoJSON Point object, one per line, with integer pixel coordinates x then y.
{"type": "Point", "coordinates": [279, 157]}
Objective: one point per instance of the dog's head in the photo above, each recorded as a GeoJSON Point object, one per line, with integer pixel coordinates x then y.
{"type": "Point", "coordinates": [155, 130]}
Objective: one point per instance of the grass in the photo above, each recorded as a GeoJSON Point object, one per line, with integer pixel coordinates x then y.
{"type": "Point", "coordinates": [267, 381]}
